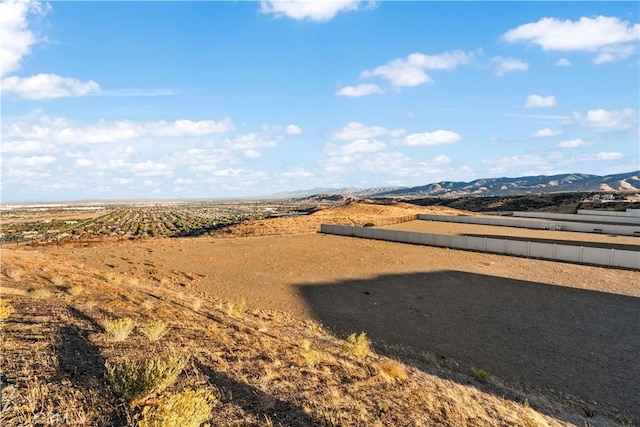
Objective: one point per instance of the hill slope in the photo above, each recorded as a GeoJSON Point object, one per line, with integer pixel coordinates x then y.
{"type": "Point", "coordinates": [529, 184]}
{"type": "Point", "coordinates": [264, 367]}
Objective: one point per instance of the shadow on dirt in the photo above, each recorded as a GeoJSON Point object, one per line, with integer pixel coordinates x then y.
{"type": "Point", "coordinates": [254, 401]}
{"type": "Point", "coordinates": [80, 361]}
{"type": "Point", "coordinates": [558, 340]}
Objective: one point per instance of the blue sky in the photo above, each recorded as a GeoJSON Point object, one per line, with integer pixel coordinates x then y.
{"type": "Point", "coordinates": [123, 100]}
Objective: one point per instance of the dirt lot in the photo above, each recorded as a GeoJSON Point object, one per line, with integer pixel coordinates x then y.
{"type": "Point", "coordinates": [540, 324]}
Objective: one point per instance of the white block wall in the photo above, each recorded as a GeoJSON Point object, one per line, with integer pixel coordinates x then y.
{"type": "Point", "coordinates": [575, 254]}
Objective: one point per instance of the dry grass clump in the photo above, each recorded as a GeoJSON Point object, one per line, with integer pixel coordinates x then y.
{"type": "Point", "coordinates": [154, 331]}
{"type": "Point", "coordinates": [310, 356]}
{"type": "Point", "coordinates": [52, 404]}
{"type": "Point", "coordinates": [120, 329]}
{"type": "Point", "coordinates": [480, 374]}
{"type": "Point", "coordinates": [189, 408]}
{"type": "Point", "coordinates": [6, 309]}
{"type": "Point", "coordinates": [40, 293]}
{"type": "Point", "coordinates": [137, 379]}
{"type": "Point", "coordinates": [196, 304]}
{"type": "Point", "coordinates": [357, 345]}
{"type": "Point", "coordinates": [393, 369]}
{"type": "Point", "coordinates": [237, 306]}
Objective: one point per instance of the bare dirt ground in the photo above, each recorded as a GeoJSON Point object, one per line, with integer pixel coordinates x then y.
{"type": "Point", "coordinates": [555, 329]}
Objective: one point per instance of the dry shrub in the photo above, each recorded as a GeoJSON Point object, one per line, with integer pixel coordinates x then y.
{"type": "Point", "coordinates": [480, 374]}
{"type": "Point", "coordinates": [357, 345]}
{"type": "Point", "coordinates": [236, 306]}
{"type": "Point", "coordinates": [196, 304]}
{"type": "Point", "coordinates": [137, 379]}
{"type": "Point", "coordinates": [57, 280]}
{"type": "Point", "coordinates": [6, 309]}
{"type": "Point", "coordinates": [147, 304]}
{"type": "Point", "coordinates": [154, 330]}
{"type": "Point", "coordinates": [120, 329]}
{"type": "Point", "coordinates": [189, 408]}
{"type": "Point", "coordinates": [310, 356]}
{"type": "Point", "coordinates": [393, 369]}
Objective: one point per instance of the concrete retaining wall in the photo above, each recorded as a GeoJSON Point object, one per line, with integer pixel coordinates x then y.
{"type": "Point", "coordinates": [582, 227]}
{"type": "Point", "coordinates": [580, 217]}
{"type": "Point", "coordinates": [629, 213]}
{"type": "Point", "coordinates": [575, 254]}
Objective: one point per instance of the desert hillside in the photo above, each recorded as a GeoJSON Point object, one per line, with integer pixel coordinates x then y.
{"type": "Point", "coordinates": [256, 331]}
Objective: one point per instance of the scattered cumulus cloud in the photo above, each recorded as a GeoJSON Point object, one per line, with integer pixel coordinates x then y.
{"type": "Point", "coordinates": [110, 132]}
{"type": "Point", "coordinates": [571, 143]}
{"type": "Point", "coordinates": [47, 86]}
{"type": "Point", "coordinates": [355, 147]}
{"type": "Point", "coordinates": [311, 10]}
{"type": "Point", "coordinates": [546, 133]}
{"type": "Point", "coordinates": [293, 130]}
{"type": "Point", "coordinates": [357, 130]}
{"type": "Point", "coordinates": [437, 137]}
{"type": "Point", "coordinates": [252, 154]}
{"type": "Point", "coordinates": [360, 90]}
{"type": "Point", "coordinates": [611, 37]}
{"type": "Point", "coordinates": [606, 155]}
{"type": "Point", "coordinates": [503, 66]}
{"type": "Point", "coordinates": [563, 62]}
{"type": "Point", "coordinates": [411, 71]}
{"type": "Point", "coordinates": [537, 101]}
{"type": "Point", "coordinates": [607, 121]}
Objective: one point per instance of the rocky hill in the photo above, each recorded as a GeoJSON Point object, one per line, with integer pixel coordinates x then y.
{"type": "Point", "coordinates": [574, 182]}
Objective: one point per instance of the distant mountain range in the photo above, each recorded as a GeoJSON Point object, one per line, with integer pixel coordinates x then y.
{"type": "Point", "coordinates": [573, 182]}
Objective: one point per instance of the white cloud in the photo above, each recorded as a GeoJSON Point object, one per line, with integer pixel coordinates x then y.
{"type": "Point", "coordinates": [252, 154]}
{"type": "Point", "coordinates": [599, 34]}
{"type": "Point", "coordinates": [150, 168]}
{"type": "Point", "coordinates": [21, 147]}
{"type": "Point", "coordinates": [508, 65]}
{"type": "Point", "coordinates": [355, 147]}
{"type": "Point", "coordinates": [614, 53]}
{"type": "Point", "coordinates": [605, 155]}
{"type": "Point", "coordinates": [84, 163]}
{"type": "Point", "coordinates": [360, 90]}
{"type": "Point", "coordinates": [357, 130]}
{"type": "Point", "coordinates": [312, 10]}
{"type": "Point", "coordinates": [109, 132]}
{"type": "Point", "coordinates": [293, 130]}
{"type": "Point", "coordinates": [437, 137]}
{"type": "Point", "coordinates": [47, 86]}
{"type": "Point", "coordinates": [34, 161]}
{"type": "Point", "coordinates": [546, 133]}
{"type": "Point", "coordinates": [251, 140]}
{"type": "Point", "coordinates": [534, 101]}
{"type": "Point", "coordinates": [571, 143]}
{"type": "Point", "coordinates": [607, 121]}
{"type": "Point", "coordinates": [563, 62]}
{"type": "Point", "coordinates": [15, 34]}
{"type": "Point", "coordinates": [442, 160]}
{"type": "Point", "coordinates": [412, 70]}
